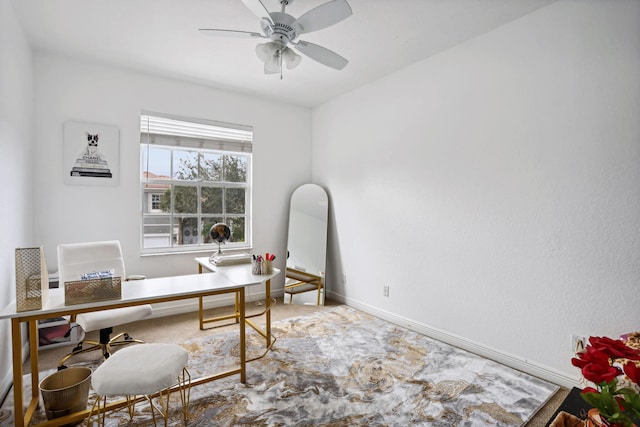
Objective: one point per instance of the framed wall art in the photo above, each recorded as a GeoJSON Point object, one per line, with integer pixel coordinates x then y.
{"type": "Point", "coordinates": [91, 154]}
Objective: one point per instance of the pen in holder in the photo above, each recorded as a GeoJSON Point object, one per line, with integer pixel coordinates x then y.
{"type": "Point", "coordinates": [262, 265]}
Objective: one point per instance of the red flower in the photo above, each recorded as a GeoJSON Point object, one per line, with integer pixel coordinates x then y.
{"type": "Point", "coordinates": [599, 373]}
{"type": "Point", "coordinates": [616, 349]}
{"type": "Point", "coordinates": [590, 355]}
{"type": "Point", "coordinates": [618, 406]}
{"type": "Point", "coordinates": [632, 371]}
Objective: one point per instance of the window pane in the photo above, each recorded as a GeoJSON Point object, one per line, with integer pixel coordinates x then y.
{"type": "Point", "coordinates": [237, 226]}
{"type": "Point", "coordinates": [185, 165]}
{"type": "Point", "coordinates": [185, 199]}
{"type": "Point", "coordinates": [207, 223]}
{"type": "Point", "coordinates": [186, 231]}
{"type": "Point", "coordinates": [211, 200]}
{"type": "Point", "coordinates": [211, 167]}
{"type": "Point", "coordinates": [235, 168]}
{"type": "Point", "coordinates": [235, 200]}
{"type": "Point", "coordinates": [156, 162]}
{"type": "Point", "coordinates": [157, 231]}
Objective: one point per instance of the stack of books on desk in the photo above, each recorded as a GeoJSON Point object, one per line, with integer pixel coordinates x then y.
{"type": "Point", "coordinates": [230, 259]}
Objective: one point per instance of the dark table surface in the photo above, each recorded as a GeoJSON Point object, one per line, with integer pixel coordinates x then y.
{"type": "Point", "coordinates": [573, 404]}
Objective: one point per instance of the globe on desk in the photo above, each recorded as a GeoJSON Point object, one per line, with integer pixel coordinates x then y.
{"type": "Point", "coordinates": [220, 233]}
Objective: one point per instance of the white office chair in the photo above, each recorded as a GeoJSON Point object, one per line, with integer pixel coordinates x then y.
{"type": "Point", "coordinates": [77, 259]}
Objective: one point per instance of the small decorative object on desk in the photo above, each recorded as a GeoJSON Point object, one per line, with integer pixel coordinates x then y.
{"type": "Point", "coordinates": [220, 233]}
{"type": "Point", "coordinates": [32, 279]}
{"type": "Point", "coordinates": [613, 369]}
{"type": "Point", "coordinates": [262, 264]}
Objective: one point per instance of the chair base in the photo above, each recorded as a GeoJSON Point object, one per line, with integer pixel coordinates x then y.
{"type": "Point", "coordinates": [104, 345]}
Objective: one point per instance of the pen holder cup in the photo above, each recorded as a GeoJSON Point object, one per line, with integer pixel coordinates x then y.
{"type": "Point", "coordinates": [262, 267]}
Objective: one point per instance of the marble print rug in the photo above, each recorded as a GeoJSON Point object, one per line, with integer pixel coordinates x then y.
{"type": "Point", "coordinates": [343, 367]}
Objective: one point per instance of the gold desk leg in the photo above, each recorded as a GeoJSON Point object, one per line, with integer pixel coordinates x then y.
{"type": "Point", "coordinates": [16, 343]}
{"type": "Point", "coordinates": [215, 319]}
{"type": "Point", "coordinates": [237, 306]}
{"type": "Point", "coordinates": [33, 357]}
{"type": "Point", "coordinates": [35, 374]}
{"type": "Point", "coordinates": [267, 302]}
{"type": "Point", "coordinates": [243, 344]}
{"type": "Point", "coordinates": [201, 312]}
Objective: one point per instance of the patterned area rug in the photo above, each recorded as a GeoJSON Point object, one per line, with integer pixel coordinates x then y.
{"type": "Point", "coordinates": [343, 367]}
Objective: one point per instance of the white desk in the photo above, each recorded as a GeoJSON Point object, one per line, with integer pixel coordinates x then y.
{"type": "Point", "coordinates": [137, 292]}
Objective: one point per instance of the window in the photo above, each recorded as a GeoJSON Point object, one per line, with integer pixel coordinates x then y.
{"type": "Point", "coordinates": [155, 202]}
{"type": "Point", "coordinates": [194, 174]}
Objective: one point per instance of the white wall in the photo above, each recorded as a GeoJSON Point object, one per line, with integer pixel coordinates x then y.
{"type": "Point", "coordinates": [497, 193]}
{"type": "Point", "coordinates": [16, 166]}
{"type": "Point", "coordinates": [70, 90]}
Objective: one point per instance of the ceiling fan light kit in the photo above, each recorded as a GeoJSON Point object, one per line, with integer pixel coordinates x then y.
{"type": "Point", "coordinates": [283, 30]}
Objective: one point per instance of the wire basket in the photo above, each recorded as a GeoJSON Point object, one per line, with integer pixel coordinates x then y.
{"type": "Point", "coordinates": [32, 279]}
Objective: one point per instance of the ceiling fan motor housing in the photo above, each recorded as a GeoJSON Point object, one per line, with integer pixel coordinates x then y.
{"type": "Point", "coordinates": [284, 27]}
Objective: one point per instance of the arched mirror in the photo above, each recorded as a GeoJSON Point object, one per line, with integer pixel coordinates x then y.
{"type": "Point", "coordinates": [307, 245]}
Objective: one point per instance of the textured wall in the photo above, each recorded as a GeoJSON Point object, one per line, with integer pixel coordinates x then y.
{"type": "Point", "coordinates": [494, 187]}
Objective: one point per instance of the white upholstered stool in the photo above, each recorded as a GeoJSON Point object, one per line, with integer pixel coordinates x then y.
{"type": "Point", "coordinates": [143, 370]}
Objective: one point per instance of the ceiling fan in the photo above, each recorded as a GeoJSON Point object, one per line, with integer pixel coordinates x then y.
{"type": "Point", "coordinates": [283, 30]}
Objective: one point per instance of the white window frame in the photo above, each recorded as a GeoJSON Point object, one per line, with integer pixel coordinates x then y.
{"type": "Point", "coordinates": [199, 136]}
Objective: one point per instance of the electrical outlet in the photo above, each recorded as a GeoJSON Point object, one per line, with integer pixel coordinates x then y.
{"type": "Point", "coordinates": [578, 343]}
{"type": "Point", "coordinates": [386, 290]}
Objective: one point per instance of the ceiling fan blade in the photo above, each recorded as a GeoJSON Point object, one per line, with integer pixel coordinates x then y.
{"type": "Point", "coordinates": [258, 8]}
{"type": "Point", "coordinates": [229, 33]}
{"type": "Point", "coordinates": [321, 54]}
{"type": "Point", "coordinates": [324, 16]}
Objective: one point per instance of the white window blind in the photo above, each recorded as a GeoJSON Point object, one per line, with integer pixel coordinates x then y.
{"type": "Point", "coordinates": [160, 129]}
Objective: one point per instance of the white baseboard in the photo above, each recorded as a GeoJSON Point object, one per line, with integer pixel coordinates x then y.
{"type": "Point", "coordinates": [5, 385]}
{"type": "Point", "coordinates": [7, 381]}
{"type": "Point", "coordinates": [546, 373]}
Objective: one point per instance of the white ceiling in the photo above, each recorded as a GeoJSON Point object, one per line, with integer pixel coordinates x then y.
{"type": "Point", "coordinates": [162, 37]}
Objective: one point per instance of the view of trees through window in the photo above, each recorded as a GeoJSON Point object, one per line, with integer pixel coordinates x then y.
{"type": "Point", "coordinates": [188, 190]}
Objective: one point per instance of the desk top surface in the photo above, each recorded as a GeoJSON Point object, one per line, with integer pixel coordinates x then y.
{"type": "Point", "coordinates": [151, 290]}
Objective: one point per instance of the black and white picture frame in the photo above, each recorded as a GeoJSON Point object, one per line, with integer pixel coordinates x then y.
{"type": "Point", "coordinates": [91, 154]}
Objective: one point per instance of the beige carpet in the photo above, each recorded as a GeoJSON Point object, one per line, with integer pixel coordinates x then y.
{"type": "Point", "coordinates": [184, 327]}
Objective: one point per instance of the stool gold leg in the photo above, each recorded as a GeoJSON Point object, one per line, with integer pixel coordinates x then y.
{"type": "Point", "coordinates": [131, 406]}
{"type": "Point", "coordinates": [153, 412]}
{"type": "Point", "coordinates": [164, 396]}
{"type": "Point", "coordinates": [95, 407]}
{"type": "Point", "coordinates": [184, 382]}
